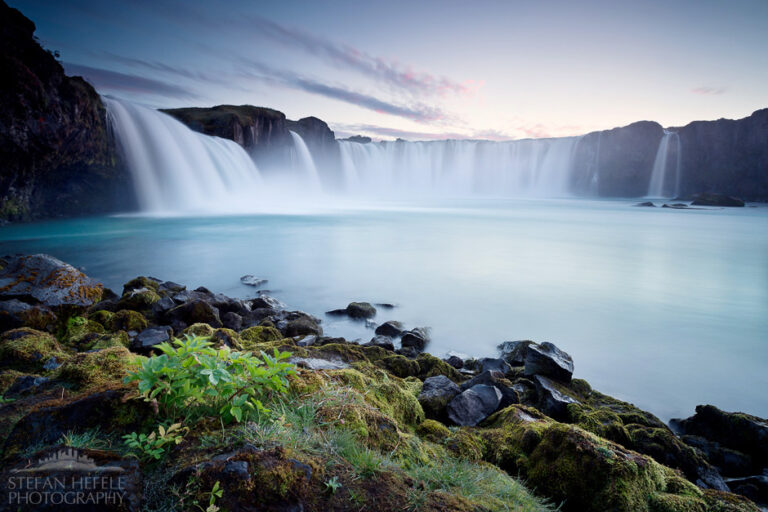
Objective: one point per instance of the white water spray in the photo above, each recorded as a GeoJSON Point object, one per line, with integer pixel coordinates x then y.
{"type": "Point", "coordinates": [305, 163]}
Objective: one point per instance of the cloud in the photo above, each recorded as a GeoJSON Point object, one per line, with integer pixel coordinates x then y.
{"type": "Point", "coordinates": [104, 79]}
{"type": "Point", "coordinates": [415, 111]}
{"type": "Point", "coordinates": [709, 91]}
{"type": "Point", "coordinates": [345, 56]}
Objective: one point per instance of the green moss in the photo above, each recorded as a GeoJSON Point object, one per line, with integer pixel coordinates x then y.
{"type": "Point", "coordinates": [224, 336]}
{"type": "Point", "coordinates": [140, 299]}
{"type": "Point", "coordinates": [433, 431]}
{"type": "Point", "coordinates": [7, 378]}
{"type": "Point", "coordinates": [109, 340]}
{"type": "Point", "coordinates": [140, 282]}
{"type": "Point", "coordinates": [431, 366]}
{"type": "Point", "coordinates": [718, 501]}
{"type": "Point", "coordinates": [199, 329]}
{"type": "Point", "coordinates": [399, 366]}
{"type": "Point", "coordinates": [103, 317]}
{"type": "Point", "coordinates": [258, 334]}
{"type": "Point", "coordinates": [128, 320]}
{"type": "Point", "coordinates": [465, 444]}
{"type": "Point", "coordinates": [27, 349]}
{"type": "Point", "coordinates": [82, 332]}
{"type": "Point", "coordinates": [602, 422]}
{"type": "Point", "coordinates": [90, 369]}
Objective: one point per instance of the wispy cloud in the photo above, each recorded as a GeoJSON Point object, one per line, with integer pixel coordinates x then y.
{"type": "Point", "coordinates": [107, 80]}
{"type": "Point", "coordinates": [709, 91]}
{"type": "Point", "coordinates": [347, 57]}
{"type": "Point", "coordinates": [414, 111]}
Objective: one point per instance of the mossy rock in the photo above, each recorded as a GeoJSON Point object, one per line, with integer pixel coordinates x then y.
{"type": "Point", "coordinates": [258, 334]}
{"type": "Point", "coordinates": [226, 337]}
{"type": "Point", "coordinates": [587, 473]}
{"type": "Point", "coordinates": [601, 422]}
{"type": "Point", "coordinates": [82, 332]}
{"type": "Point", "coordinates": [128, 320]}
{"type": "Point", "coordinates": [465, 444]}
{"type": "Point", "coordinates": [26, 349]}
{"type": "Point", "coordinates": [7, 378]}
{"type": "Point", "coordinates": [90, 369]}
{"type": "Point", "coordinates": [103, 317]}
{"type": "Point", "coordinates": [399, 366]}
{"type": "Point", "coordinates": [112, 339]}
{"type": "Point", "coordinates": [200, 330]}
{"type": "Point", "coordinates": [431, 366]}
{"type": "Point", "coordinates": [433, 431]}
{"type": "Point", "coordinates": [140, 282]}
{"type": "Point", "coordinates": [140, 299]}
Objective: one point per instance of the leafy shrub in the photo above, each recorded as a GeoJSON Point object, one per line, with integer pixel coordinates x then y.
{"type": "Point", "coordinates": [191, 375]}
{"type": "Point", "coordinates": [154, 445]}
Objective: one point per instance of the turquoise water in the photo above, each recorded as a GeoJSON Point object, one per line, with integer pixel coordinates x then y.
{"type": "Point", "coordinates": [663, 308]}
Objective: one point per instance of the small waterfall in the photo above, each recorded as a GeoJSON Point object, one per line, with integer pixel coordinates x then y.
{"type": "Point", "coordinates": [305, 163]}
{"type": "Point", "coordinates": [539, 167]}
{"type": "Point", "coordinates": [178, 170]}
{"type": "Point", "coordinates": [659, 186]}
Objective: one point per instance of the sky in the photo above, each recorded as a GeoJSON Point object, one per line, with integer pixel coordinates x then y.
{"type": "Point", "coordinates": [425, 69]}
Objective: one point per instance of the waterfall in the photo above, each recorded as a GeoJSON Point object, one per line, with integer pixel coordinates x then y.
{"type": "Point", "coordinates": [531, 167]}
{"type": "Point", "coordinates": [178, 170]}
{"type": "Point", "coordinates": [305, 163]}
{"type": "Point", "coordinates": [659, 186]}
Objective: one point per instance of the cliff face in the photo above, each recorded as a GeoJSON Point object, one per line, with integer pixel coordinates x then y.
{"type": "Point", "coordinates": [56, 157]}
{"type": "Point", "coordinates": [725, 156]}
{"type": "Point", "coordinates": [321, 142]}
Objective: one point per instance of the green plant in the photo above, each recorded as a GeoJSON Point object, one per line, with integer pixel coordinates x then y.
{"type": "Point", "coordinates": [332, 485]}
{"type": "Point", "coordinates": [153, 446]}
{"type": "Point", "coordinates": [88, 439]}
{"type": "Point", "coordinates": [191, 375]}
{"type": "Point", "coordinates": [4, 400]}
{"type": "Point", "coordinates": [215, 492]}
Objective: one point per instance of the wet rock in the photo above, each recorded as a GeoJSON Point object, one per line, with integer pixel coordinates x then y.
{"type": "Point", "coordinates": [192, 312]}
{"type": "Point", "coordinates": [44, 280]}
{"type": "Point", "coordinates": [307, 341]}
{"type": "Point", "coordinates": [359, 310]}
{"type": "Point", "coordinates": [646, 204]}
{"type": "Point", "coordinates": [162, 306]}
{"type": "Point", "coordinates": [753, 487]}
{"type": "Point", "coordinates": [488, 364]}
{"type": "Point", "coordinates": [513, 352]}
{"type": "Point", "coordinates": [298, 323]}
{"type": "Point", "coordinates": [51, 364]}
{"type": "Point", "coordinates": [549, 361]}
{"type": "Point", "coordinates": [24, 385]}
{"type": "Point", "coordinates": [384, 342]}
{"type": "Point", "coordinates": [551, 400]}
{"type": "Point", "coordinates": [716, 200]}
{"type": "Point", "coordinates": [170, 288]}
{"type": "Point", "coordinates": [139, 299]}
{"type": "Point", "coordinates": [316, 363]}
{"type": "Point", "coordinates": [455, 361]}
{"type": "Point", "coordinates": [251, 280]}
{"type": "Point", "coordinates": [384, 305]}
{"type": "Point", "coordinates": [232, 321]}
{"type": "Point", "coordinates": [391, 328]}
{"type": "Point", "coordinates": [729, 462]}
{"type": "Point", "coordinates": [266, 302]}
{"type": "Point", "coordinates": [735, 430]}
{"type": "Point", "coordinates": [494, 378]}
{"type": "Point", "coordinates": [472, 406]}
{"type": "Point", "coordinates": [676, 206]}
{"type": "Point", "coordinates": [416, 339]}
{"type": "Point", "coordinates": [435, 395]}
{"type": "Point", "coordinates": [145, 341]}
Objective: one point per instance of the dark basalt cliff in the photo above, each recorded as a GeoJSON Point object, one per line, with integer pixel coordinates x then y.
{"type": "Point", "coordinates": [56, 158]}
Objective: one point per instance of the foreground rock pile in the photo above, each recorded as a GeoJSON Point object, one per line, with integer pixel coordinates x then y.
{"type": "Point", "coordinates": [67, 343]}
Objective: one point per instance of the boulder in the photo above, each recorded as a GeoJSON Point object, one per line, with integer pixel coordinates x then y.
{"type": "Point", "coordinates": [472, 406]}
{"type": "Point", "coordinates": [44, 280]}
{"type": "Point", "coordinates": [647, 204]}
{"type": "Point", "coordinates": [494, 364]}
{"type": "Point", "coordinates": [753, 487]}
{"type": "Point", "coordinates": [493, 378]}
{"type": "Point", "coordinates": [232, 321]}
{"type": "Point", "coordinates": [145, 341]}
{"type": "Point", "coordinates": [139, 299]}
{"type": "Point", "coordinates": [298, 324]}
{"type": "Point", "coordinates": [552, 401]}
{"type": "Point", "coordinates": [266, 302]}
{"type": "Point", "coordinates": [391, 328]}
{"type": "Point", "coordinates": [455, 361]}
{"type": "Point", "coordinates": [24, 385]}
{"type": "Point", "coordinates": [15, 313]}
{"type": "Point", "coordinates": [251, 280]}
{"type": "Point", "coordinates": [549, 361]}
{"type": "Point", "coordinates": [729, 462]}
{"type": "Point", "coordinates": [513, 352]}
{"type": "Point", "coordinates": [384, 342]}
{"type": "Point", "coordinates": [716, 200]}
{"type": "Point", "coordinates": [435, 395]}
{"type": "Point", "coordinates": [358, 310]}
{"type": "Point", "coordinates": [415, 338]}
{"type": "Point", "coordinates": [192, 312]}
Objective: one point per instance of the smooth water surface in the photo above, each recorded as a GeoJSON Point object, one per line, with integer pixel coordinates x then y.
{"type": "Point", "coordinates": [663, 308]}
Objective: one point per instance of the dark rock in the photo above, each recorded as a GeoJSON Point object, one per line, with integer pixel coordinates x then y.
{"type": "Point", "coordinates": [232, 321]}
{"type": "Point", "coordinates": [15, 313]}
{"type": "Point", "coordinates": [548, 360]}
{"type": "Point", "coordinates": [237, 470]}
{"type": "Point", "coordinates": [716, 200]}
{"type": "Point", "coordinates": [307, 341]}
{"type": "Point", "coordinates": [45, 280]}
{"type": "Point", "coordinates": [646, 204]}
{"type": "Point", "coordinates": [163, 305]}
{"type": "Point", "coordinates": [735, 430]}
{"type": "Point", "coordinates": [145, 341]}
{"type": "Point", "coordinates": [266, 302]}
{"type": "Point", "coordinates": [728, 462]}
{"type": "Point", "coordinates": [416, 339]}
{"type": "Point", "coordinates": [753, 487]}
{"type": "Point", "coordinates": [455, 361]}
{"type": "Point", "coordinates": [384, 342]}
{"type": "Point", "coordinates": [513, 352]}
{"type": "Point", "coordinates": [360, 139]}
{"type": "Point", "coordinates": [384, 305]}
{"type": "Point", "coordinates": [391, 328]}
{"type": "Point", "coordinates": [494, 378]}
{"type": "Point", "coordinates": [435, 395]}
{"type": "Point", "coordinates": [51, 364]}
{"type": "Point", "coordinates": [472, 406]}
{"type": "Point", "coordinates": [491, 364]}
{"type": "Point", "coordinates": [24, 385]}
{"type": "Point", "coordinates": [551, 400]}
{"type": "Point", "coordinates": [192, 312]}
{"type": "Point", "coordinates": [676, 206]}
{"type": "Point", "coordinates": [298, 323]}
{"type": "Point", "coordinates": [171, 288]}
{"type": "Point", "coordinates": [359, 310]}
{"type": "Point", "coordinates": [251, 280]}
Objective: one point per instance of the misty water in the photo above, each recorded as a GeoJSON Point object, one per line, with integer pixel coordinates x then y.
{"type": "Point", "coordinates": [663, 308]}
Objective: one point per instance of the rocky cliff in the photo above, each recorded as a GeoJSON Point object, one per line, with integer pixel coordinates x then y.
{"type": "Point", "coordinates": [55, 154]}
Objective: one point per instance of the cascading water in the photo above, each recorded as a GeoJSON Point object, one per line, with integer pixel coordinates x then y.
{"type": "Point", "coordinates": [538, 167]}
{"type": "Point", "coordinates": [305, 163]}
{"type": "Point", "coordinates": [178, 170]}
{"type": "Point", "coordinates": [659, 185]}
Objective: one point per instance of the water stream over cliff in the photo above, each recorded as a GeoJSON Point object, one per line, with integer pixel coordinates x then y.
{"type": "Point", "coordinates": [662, 184]}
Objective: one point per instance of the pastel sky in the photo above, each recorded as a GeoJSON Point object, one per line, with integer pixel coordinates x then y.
{"type": "Point", "coordinates": [425, 69]}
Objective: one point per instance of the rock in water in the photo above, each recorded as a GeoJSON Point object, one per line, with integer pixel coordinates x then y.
{"type": "Point", "coordinates": [251, 280]}
{"type": "Point", "coordinates": [474, 405]}
{"type": "Point", "coordinates": [390, 328]}
{"type": "Point", "coordinates": [513, 352]}
{"type": "Point", "coordinates": [45, 280]}
{"type": "Point", "coordinates": [548, 360]}
{"type": "Point", "coordinates": [416, 339]}
{"type": "Point", "coordinates": [435, 395]}
{"type": "Point", "coordinates": [716, 200]}
{"type": "Point", "coordinates": [646, 204]}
